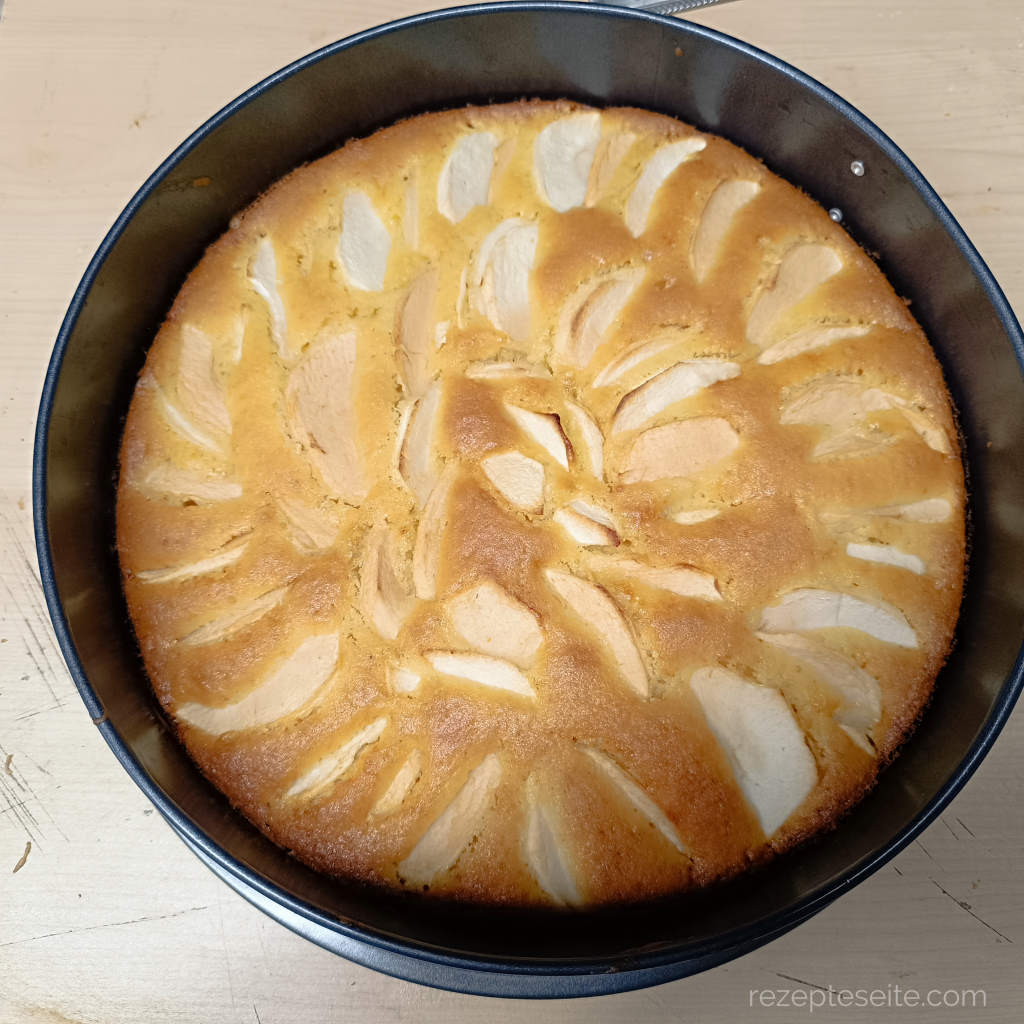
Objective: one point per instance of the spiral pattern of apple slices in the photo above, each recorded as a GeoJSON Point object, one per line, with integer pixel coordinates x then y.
{"type": "Point", "coordinates": [540, 504]}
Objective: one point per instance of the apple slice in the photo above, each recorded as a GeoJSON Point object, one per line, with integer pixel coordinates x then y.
{"type": "Point", "coordinates": [587, 525]}
{"type": "Point", "coordinates": [403, 679]}
{"type": "Point", "coordinates": [383, 600]}
{"type": "Point", "coordinates": [546, 429]}
{"type": "Point", "coordinates": [243, 614]}
{"type": "Point", "coordinates": [488, 369]}
{"type": "Point", "coordinates": [189, 485]}
{"type": "Point", "coordinates": [636, 796]}
{"type": "Point", "coordinates": [332, 767]}
{"type": "Point", "coordinates": [589, 313]}
{"type": "Point", "coordinates": [683, 580]}
{"type": "Point", "coordinates": [611, 151]}
{"type": "Point", "coordinates": [681, 449]}
{"type": "Point", "coordinates": [760, 736]}
{"type": "Point", "coordinates": [465, 179]}
{"type": "Point", "coordinates": [286, 689]}
{"type": "Point", "coordinates": [692, 516]}
{"type": "Point", "coordinates": [543, 846]}
{"type": "Point", "coordinates": [417, 461]}
{"type": "Point", "coordinates": [309, 529]}
{"type": "Point", "coordinates": [810, 608]}
{"type": "Point", "coordinates": [632, 357]}
{"type": "Point", "coordinates": [562, 158]}
{"type": "Point", "coordinates": [860, 696]}
{"type": "Point", "coordinates": [228, 555]}
{"type": "Point", "coordinates": [518, 478]}
{"type": "Point", "coordinates": [928, 510]}
{"type": "Point", "coordinates": [262, 277]}
{"type": "Point", "coordinates": [401, 784]}
{"type": "Point", "coordinates": [719, 213]}
{"type": "Point", "coordinates": [661, 392]}
{"type": "Point", "coordinates": [886, 554]}
{"type": "Point", "coordinates": [588, 437]}
{"type": "Point", "coordinates": [319, 400]}
{"type": "Point", "coordinates": [810, 340]}
{"type": "Point", "coordinates": [804, 267]}
{"type": "Point", "coordinates": [365, 243]}
{"type": "Point", "coordinates": [426, 555]}
{"type": "Point", "coordinates": [494, 673]}
{"type": "Point", "coordinates": [492, 621]}
{"type": "Point", "coordinates": [499, 281]}
{"type": "Point", "coordinates": [451, 832]}
{"type": "Point", "coordinates": [184, 427]}
{"type": "Point", "coordinates": [655, 173]}
{"type": "Point", "coordinates": [414, 331]}
{"type": "Point", "coordinates": [602, 616]}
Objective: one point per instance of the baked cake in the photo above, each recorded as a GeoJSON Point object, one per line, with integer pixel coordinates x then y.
{"type": "Point", "coordinates": [532, 503]}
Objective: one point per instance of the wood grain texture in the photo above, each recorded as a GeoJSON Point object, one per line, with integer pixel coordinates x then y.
{"type": "Point", "coordinates": [110, 918]}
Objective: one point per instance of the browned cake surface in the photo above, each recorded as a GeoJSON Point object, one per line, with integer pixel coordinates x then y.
{"type": "Point", "coordinates": [539, 504]}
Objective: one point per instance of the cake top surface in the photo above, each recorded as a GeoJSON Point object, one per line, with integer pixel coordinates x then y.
{"type": "Point", "coordinates": [537, 503]}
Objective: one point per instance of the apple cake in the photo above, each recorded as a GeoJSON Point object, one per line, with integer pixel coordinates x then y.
{"type": "Point", "coordinates": [540, 504]}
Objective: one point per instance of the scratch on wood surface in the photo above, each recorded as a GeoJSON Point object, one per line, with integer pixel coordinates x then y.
{"type": "Point", "coordinates": [965, 906]}
{"type": "Point", "coordinates": [23, 858]}
{"type": "Point", "coordinates": [959, 821]}
{"type": "Point", "coordinates": [15, 796]}
{"type": "Point", "coordinates": [99, 927]}
{"type": "Point", "coordinates": [800, 981]}
{"type": "Point", "coordinates": [7, 765]}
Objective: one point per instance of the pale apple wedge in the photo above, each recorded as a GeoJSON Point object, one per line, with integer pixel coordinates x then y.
{"type": "Point", "coordinates": [319, 400]}
{"type": "Point", "coordinates": [636, 796]}
{"type": "Point", "coordinates": [810, 340]}
{"type": "Point", "coordinates": [451, 832]}
{"type": "Point", "coordinates": [199, 389]}
{"type": "Point", "coordinates": [661, 392]}
{"type": "Point", "coordinates": [546, 429]}
{"type": "Point", "coordinates": [499, 280]}
{"type": "Point", "coordinates": [309, 529]}
{"type": "Point", "coordinates": [544, 847]}
{"type": "Point", "coordinates": [588, 439]}
{"type": "Point", "coordinates": [383, 600]}
{"type": "Point", "coordinates": [426, 555]}
{"type": "Point", "coordinates": [227, 555]}
{"type": "Point", "coordinates": [886, 554]}
{"type": "Point", "coordinates": [493, 622]}
{"type": "Point", "coordinates": [592, 603]}
{"type": "Point", "coordinates": [590, 312]}
{"type": "Point", "coordinates": [719, 213]}
{"type": "Point", "coordinates": [810, 608]}
{"type": "Point", "coordinates": [417, 458]}
{"type": "Point", "coordinates": [190, 485]}
{"type": "Point", "coordinates": [489, 369]}
{"type": "Point", "coordinates": [656, 172]}
{"type": "Point", "coordinates": [692, 516]}
{"type": "Point", "coordinates": [860, 695]}
{"type": "Point", "coordinates": [681, 449]}
{"type": "Point", "coordinates": [803, 268]}
{"type": "Point", "coordinates": [186, 428]}
{"type": "Point", "coordinates": [288, 688]}
{"type": "Point", "coordinates": [759, 734]}
{"type": "Point", "coordinates": [587, 525]}
{"type": "Point", "coordinates": [682, 580]}
{"type": "Point", "coordinates": [492, 673]}
{"type": "Point", "coordinates": [403, 679]}
{"type": "Point", "coordinates": [928, 510]}
{"type": "Point", "coordinates": [465, 178]}
{"type": "Point", "coordinates": [365, 243]}
{"type": "Point", "coordinates": [408, 774]}
{"type": "Point", "coordinates": [610, 152]}
{"type": "Point", "coordinates": [633, 356]}
{"type": "Point", "coordinates": [331, 768]}
{"type": "Point", "coordinates": [233, 621]}
{"type": "Point", "coordinates": [262, 276]}
{"type": "Point", "coordinates": [518, 478]}
{"type": "Point", "coordinates": [414, 331]}
{"type": "Point", "coordinates": [563, 155]}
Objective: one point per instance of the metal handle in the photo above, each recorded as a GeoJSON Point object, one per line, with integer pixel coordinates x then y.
{"type": "Point", "coordinates": [668, 6]}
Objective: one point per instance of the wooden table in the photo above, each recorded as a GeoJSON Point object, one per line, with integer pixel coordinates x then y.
{"type": "Point", "coordinates": [110, 918]}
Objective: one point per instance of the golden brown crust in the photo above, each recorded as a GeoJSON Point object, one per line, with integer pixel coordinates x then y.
{"type": "Point", "coordinates": [591, 507]}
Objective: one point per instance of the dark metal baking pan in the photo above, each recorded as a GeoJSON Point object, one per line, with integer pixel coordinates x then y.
{"type": "Point", "coordinates": [601, 55]}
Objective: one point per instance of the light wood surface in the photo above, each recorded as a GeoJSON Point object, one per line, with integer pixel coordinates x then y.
{"type": "Point", "coordinates": [110, 918]}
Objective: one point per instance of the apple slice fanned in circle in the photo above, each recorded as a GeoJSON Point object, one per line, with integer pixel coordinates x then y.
{"type": "Point", "coordinates": [717, 218]}
{"type": "Point", "coordinates": [562, 158]}
{"type": "Point", "coordinates": [383, 599]}
{"type": "Point", "coordinates": [518, 478]}
{"type": "Point", "coordinates": [402, 782]}
{"type": "Point", "coordinates": [226, 555]}
{"type": "Point", "coordinates": [237, 618]}
{"type": "Point", "coordinates": [333, 766]}
{"type": "Point", "coordinates": [544, 847]}
{"type": "Point", "coordinates": [364, 244]}
{"type": "Point", "coordinates": [589, 314]}
{"type": "Point", "coordinates": [680, 449]}
{"type": "Point", "coordinates": [589, 441]}
{"type": "Point", "coordinates": [288, 688]}
{"type": "Point", "coordinates": [493, 622]}
{"type": "Point", "coordinates": [465, 178]}
{"type": "Point", "coordinates": [492, 673]}
{"type": "Point", "coordinates": [682, 580]}
{"type": "Point", "coordinates": [262, 278]}
{"type": "Point", "coordinates": [811, 608]}
{"type": "Point", "coordinates": [656, 172]}
{"type": "Point", "coordinates": [452, 831]}
{"type": "Point", "coordinates": [426, 554]}
{"type": "Point", "coordinates": [414, 332]}
{"type": "Point", "coordinates": [757, 731]}
{"type": "Point", "coordinates": [592, 603]}
{"type": "Point", "coordinates": [498, 282]}
{"type": "Point", "coordinates": [546, 429]}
